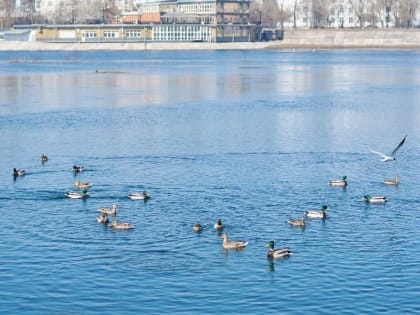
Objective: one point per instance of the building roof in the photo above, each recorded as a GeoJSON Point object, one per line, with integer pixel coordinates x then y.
{"type": "Point", "coordinates": [17, 31]}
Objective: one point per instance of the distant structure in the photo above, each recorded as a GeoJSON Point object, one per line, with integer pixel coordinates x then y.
{"type": "Point", "coordinates": [211, 20]}
{"type": "Point", "coordinates": [166, 21]}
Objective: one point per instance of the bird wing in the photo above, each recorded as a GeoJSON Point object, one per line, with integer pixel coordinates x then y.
{"type": "Point", "coordinates": [378, 153]}
{"type": "Point", "coordinates": [399, 146]}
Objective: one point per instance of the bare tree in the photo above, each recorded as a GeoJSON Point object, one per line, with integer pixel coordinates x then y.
{"type": "Point", "coordinates": [381, 9]}
{"type": "Point", "coordinates": [405, 12]}
{"type": "Point", "coordinates": [284, 14]}
{"type": "Point", "coordinates": [364, 10]}
{"type": "Point", "coordinates": [6, 18]}
{"type": "Point", "coordinates": [270, 13]}
{"type": "Point", "coordinates": [320, 13]}
{"type": "Point", "coordinates": [255, 13]}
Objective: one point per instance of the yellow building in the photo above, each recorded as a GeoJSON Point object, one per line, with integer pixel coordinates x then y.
{"type": "Point", "coordinates": [169, 21]}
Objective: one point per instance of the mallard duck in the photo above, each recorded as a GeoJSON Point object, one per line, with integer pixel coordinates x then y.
{"type": "Point", "coordinates": [339, 182]}
{"type": "Point", "coordinates": [394, 182]}
{"type": "Point", "coordinates": [80, 185]}
{"type": "Point", "coordinates": [232, 244]}
{"type": "Point", "coordinates": [120, 226]}
{"type": "Point", "coordinates": [197, 227]}
{"type": "Point", "coordinates": [109, 211]}
{"type": "Point", "coordinates": [136, 196]}
{"type": "Point", "coordinates": [102, 218]}
{"type": "Point", "coordinates": [78, 169]}
{"type": "Point", "coordinates": [377, 199]}
{"type": "Point", "coordinates": [75, 195]}
{"type": "Point", "coordinates": [218, 226]}
{"type": "Point", "coordinates": [300, 222]}
{"type": "Point", "coordinates": [18, 172]}
{"type": "Point", "coordinates": [43, 158]}
{"type": "Point", "coordinates": [276, 253]}
{"type": "Point", "coordinates": [317, 214]}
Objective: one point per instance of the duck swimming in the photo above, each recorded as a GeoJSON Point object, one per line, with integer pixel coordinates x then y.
{"type": "Point", "coordinates": [109, 211]}
{"type": "Point", "coordinates": [300, 222]}
{"type": "Point", "coordinates": [377, 199]}
{"type": "Point", "coordinates": [339, 182]}
{"type": "Point", "coordinates": [102, 218]}
{"type": "Point", "coordinates": [43, 158]}
{"type": "Point", "coordinates": [18, 172]}
{"type": "Point", "coordinates": [317, 214]}
{"type": "Point", "coordinates": [120, 226]}
{"type": "Point", "coordinates": [276, 253]}
{"type": "Point", "coordinates": [232, 244]}
{"type": "Point", "coordinates": [80, 185]}
{"type": "Point", "coordinates": [75, 195]}
{"type": "Point", "coordinates": [394, 182]}
{"type": "Point", "coordinates": [197, 227]}
{"type": "Point", "coordinates": [136, 196]}
{"type": "Point", "coordinates": [218, 226]}
{"type": "Point", "coordinates": [78, 169]}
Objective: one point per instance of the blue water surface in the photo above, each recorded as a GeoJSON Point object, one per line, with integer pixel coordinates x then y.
{"type": "Point", "coordinates": [249, 137]}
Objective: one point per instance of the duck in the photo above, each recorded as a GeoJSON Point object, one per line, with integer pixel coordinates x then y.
{"type": "Point", "coordinates": [43, 158]}
{"type": "Point", "coordinates": [18, 172]}
{"type": "Point", "coordinates": [300, 222]}
{"type": "Point", "coordinates": [120, 226]}
{"type": "Point", "coordinates": [197, 227]}
{"type": "Point", "coordinates": [394, 182]}
{"type": "Point", "coordinates": [78, 169]}
{"type": "Point", "coordinates": [232, 244]}
{"type": "Point", "coordinates": [80, 185]}
{"type": "Point", "coordinates": [109, 211]}
{"type": "Point", "coordinates": [218, 226]}
{"type": "Point", "coordinates": [102, 218]}
{"type": "Point", "coordinates": [75, 195]}
{"type": "Point", "coordinates": [339, 182]}
{"type": "Point", "coordinates": [136, 196]}
{"type": "Point", "coordinates": [376, 199]}
{"type": "Point", "coordinates": [317, 214]}
{"type": "Point", "coordinates": [276, 253]}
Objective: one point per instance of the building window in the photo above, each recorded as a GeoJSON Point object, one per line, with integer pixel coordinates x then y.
{"type": "Point", "coordinates": [133, 34]}
{"type": "Point", "coordinates": [351, 20]}
{"type": "Point", "coordinates": [110, 34]}
{"type": "Point", "coordinates": [89, 34]}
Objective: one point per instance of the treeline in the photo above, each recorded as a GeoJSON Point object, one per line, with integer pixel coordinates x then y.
{"type": "Point", "coordinates": [336, 13]}
{"type": "Point", "coordinates": [268, 13]}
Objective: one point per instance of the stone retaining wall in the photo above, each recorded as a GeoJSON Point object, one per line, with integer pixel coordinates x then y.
{"type": "Point", "coordinates": [388, 38]}
{"type": "Point", "coordinates": [293, 39]}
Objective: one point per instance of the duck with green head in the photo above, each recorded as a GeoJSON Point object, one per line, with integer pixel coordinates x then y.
{"type": "Point", "coordinates": [276, 253]}
{"type": "Point", "coordinates": [317, 214]}
{"type": "Point", "coordinates": [339, 182]}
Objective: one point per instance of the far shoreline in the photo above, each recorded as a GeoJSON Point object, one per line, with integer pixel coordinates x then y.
{"type": "Point", "coordinates": [325, 39]}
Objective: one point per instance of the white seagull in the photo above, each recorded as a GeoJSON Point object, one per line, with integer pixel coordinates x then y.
{"type": "Point", "coordinates": [391, 157]}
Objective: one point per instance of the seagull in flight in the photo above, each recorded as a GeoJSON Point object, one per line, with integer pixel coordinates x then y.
{"type": "Point", "coordinates": [391, 157]}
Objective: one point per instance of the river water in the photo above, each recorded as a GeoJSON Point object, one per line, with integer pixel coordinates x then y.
{"type": "Point", "coordinates": [249, 137]}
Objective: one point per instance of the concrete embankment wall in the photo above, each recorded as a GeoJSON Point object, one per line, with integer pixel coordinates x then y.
{"type": "Point", "coordinates": [387, 38]}
{"type": "Point", "coordinates": [293, 39]}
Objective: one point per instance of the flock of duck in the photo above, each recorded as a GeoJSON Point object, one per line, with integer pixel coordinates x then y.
{"type": "Point", "coordinates": [273, 253]}
{"type": "Point", "coordinates": [282, 253]}
{"type": "Point", "coordinates": [104, 213]}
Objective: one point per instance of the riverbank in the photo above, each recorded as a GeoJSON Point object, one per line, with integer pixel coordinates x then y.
{"type": "Point", "coordinates": [293, 39]}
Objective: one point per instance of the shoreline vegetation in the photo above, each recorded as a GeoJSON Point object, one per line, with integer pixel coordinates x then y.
{"type": "Point", "coordinates": [293, 39]}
